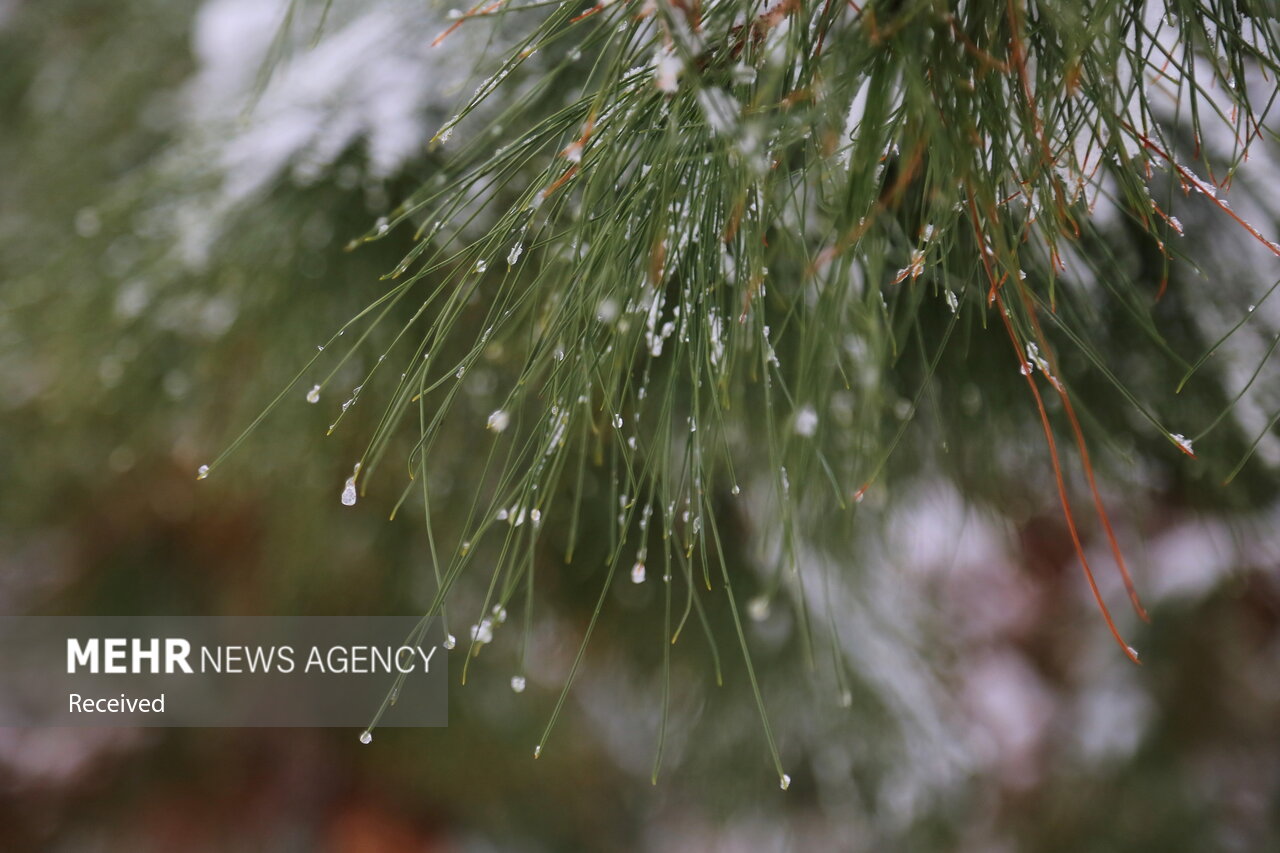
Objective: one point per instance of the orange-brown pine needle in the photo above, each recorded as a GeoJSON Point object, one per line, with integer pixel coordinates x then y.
{"type": "Point", "coordinates": [1024, 366]}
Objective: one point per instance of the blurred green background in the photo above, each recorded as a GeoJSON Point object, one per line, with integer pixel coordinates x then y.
{"type": "Point", "coordinates": [169, 259]}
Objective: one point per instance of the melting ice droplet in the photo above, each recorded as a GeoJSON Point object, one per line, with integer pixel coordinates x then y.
{"type": "Point", "coordinates": [637, 573]}
{"type": "Point", "coordinates": [202, 472]}
{"type": "Point", "coordinates": [517, 683]}
{"type": "Point", "coordinates": [785, 782]}
{"type": "Point", "coordinates": [450, 641]}
{"type": "Point", "coordinates": [498, 420]}
{"type": "Point", "coordinates": [366, 736]}
{"type": "Point", "coordinates": [1184, 443]}
{"type": "Point", "coordinates": [313, 396]}
{"type": "Point", "coordinates": [349, 492]}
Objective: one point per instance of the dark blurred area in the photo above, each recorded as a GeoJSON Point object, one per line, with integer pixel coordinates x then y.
{"type": "Point", "coordinates": [169, 260]}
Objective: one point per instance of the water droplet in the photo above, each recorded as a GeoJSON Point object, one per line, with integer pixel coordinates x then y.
{"type": "Point", "coordinates": [617, 421]}
{"type": "Point", "coordinates": [313, 396]}
{"type": "Point", "coordinates": [349, 492]}
{"type": "Point", "coordinates": [450, 641]}
{"type": "Point", "coordinates": [785, 781]}
{"type": "Point", "coordinates": [537, 750]}
{"type": "Point", "coordinates": [498, 420]}
{"type": "Point", "coordinates": [846, 698]}
{"type": "Point", "coordinates": [758, 608]}
{"type": "Point", "coordinates": [637, 573]}
{"type": "Point", "coordinates": [383, 225]}
{"type": "Point", "coordinates": [607, 310]}
{"type": "Point", "coordinates": [514, 257]}
{"type": "Point", "coordinates": [481, 265]}
{"type": "Point", "coordinates": [517, 683]}
{"type": "Point", "coordinates": [202, 472]}
{"type": "Point", "coordinates": [366, 737]}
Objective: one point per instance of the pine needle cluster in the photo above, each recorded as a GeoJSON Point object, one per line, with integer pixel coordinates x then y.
{"type": "Point", "coordinates": [691, 239]}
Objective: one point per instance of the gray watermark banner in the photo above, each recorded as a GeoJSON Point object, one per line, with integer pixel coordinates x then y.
{"type": "Point", "coordinates": [221, 672]}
